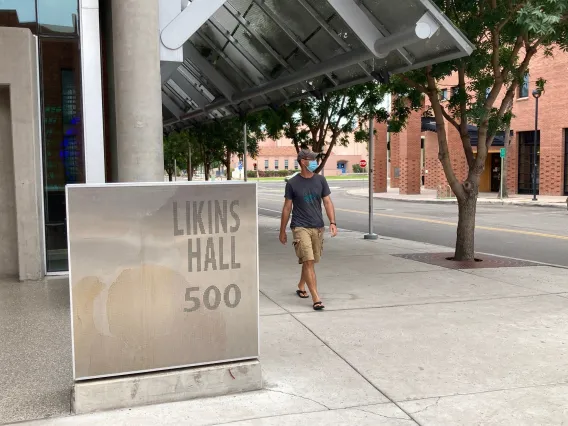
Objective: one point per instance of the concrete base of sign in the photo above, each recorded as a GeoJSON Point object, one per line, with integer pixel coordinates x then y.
{"type": "Point", "coordinates": [170, 386]}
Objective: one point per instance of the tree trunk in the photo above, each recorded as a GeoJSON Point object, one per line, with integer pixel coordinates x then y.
{"type": "Point", "coordinates": [228, 165]}
{"type": "Point", "coordinates": [189, 166]}
{"type": "Point", "coordinates": [207, 169]}
{"type": "Point", "coordinates": [170, 175]}
{"type": "Point", "coordinates": [465, 241]}
{"type": "Point", "coordinates": [327, 155]}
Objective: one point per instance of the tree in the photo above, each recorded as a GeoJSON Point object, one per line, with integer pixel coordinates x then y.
{"type": "Point", "coordinates": [507, 34]}
{"type": "Point", "coordinates": [175, 152]}
{"type": "Point", "coordinates": [324, 121]}
{"type": "Point", "coordinates": [215, 142]}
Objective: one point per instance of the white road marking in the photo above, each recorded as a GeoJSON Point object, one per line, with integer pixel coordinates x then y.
{"type": "Point", "coordinates": [269, 210]}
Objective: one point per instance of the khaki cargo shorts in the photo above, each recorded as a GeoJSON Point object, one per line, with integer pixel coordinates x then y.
{"type": "Point", "coordinates": [308, 243]}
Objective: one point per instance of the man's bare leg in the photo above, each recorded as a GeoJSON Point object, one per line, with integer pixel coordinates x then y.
{"type": "Point", "coordinates": [302, 282]}
{"type": "Point", "coordinates": [309, 276]}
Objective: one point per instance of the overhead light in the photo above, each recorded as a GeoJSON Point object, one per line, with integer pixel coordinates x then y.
{"type": "Point", "coordinates": [424, 29]}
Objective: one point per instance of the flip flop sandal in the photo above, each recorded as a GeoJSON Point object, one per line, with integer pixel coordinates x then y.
{"type": "Point", "coordinates": [302, 294]}
{"type": "Point", "coordinates": [318, 306]}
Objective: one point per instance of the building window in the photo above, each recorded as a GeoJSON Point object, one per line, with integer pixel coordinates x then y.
{"type": "Point", "coordinates": [526, 161]}
{"type": "Point", "coordinates": [487, 92]}
{"type": "Point", "coordinates": [524, 88]}
{"type": "Point", "coordinates": [255, 167]}
{"type": "Point", "coordinates": [18, 13]}
{"type": "Point", "coordinates": [265, 164]}
{"type": "Point", "coordinates": [63, 152]}
{"type": "Point", "coordinates": [285, 164]}
{"type": "Point", "coordinates": [444, 95]}
{"type": "Point", "coordinates": [58, 17]}
{"type": "Point", "coordinates": [455, 90]}
{"type": "Point", "coordinates": [296, 165]}
{"type": "Point", "coordinates": [275, 164]}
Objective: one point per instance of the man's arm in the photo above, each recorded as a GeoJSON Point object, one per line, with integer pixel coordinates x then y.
{"type": "Point", "coordinates": [330, 211]}
{"type": "Point", "coordinates": [286, 210]}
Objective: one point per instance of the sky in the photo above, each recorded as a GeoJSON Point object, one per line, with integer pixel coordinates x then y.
{"type": "Point", "coordinates": [51, 12]}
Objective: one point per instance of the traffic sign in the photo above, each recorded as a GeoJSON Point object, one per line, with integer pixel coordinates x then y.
{"type": "Point", "coordinates": [240, 165]}
{"type": "Point", "coordinates": [363, 163]}
{"type": "Point", "coordinates": [503, 152]}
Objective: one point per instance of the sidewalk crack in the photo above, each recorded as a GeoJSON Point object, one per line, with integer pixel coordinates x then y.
{"type": "Point", "coordinates": [300, 396]}
{"type": "Point", "coordinates": [428, 406]}
{"type": "Point", "coordinates": [386, 417]}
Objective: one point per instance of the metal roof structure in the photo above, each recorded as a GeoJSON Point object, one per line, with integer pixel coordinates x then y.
{"type": "Point", "coordinates": [245, 55]}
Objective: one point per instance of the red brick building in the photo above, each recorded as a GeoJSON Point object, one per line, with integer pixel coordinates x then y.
{"type": "Point", "coordinates": [414, 152]}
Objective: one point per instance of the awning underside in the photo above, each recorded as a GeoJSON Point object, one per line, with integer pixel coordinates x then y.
{"type": "Point", "coordinates": [251, 54]}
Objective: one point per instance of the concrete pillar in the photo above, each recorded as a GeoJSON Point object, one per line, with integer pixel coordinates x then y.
{"type": "Point", "coordinates": [137, 85]}
{"type": "Point", "coordinates": [410, 150]}
{"type": "Point", "coordinates": [21, 214]}
{"type": "Point", "coordinates": [381, 161]}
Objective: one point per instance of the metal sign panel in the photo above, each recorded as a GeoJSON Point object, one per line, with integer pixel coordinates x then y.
{"type": "Point", "coordinates": [162, 276]}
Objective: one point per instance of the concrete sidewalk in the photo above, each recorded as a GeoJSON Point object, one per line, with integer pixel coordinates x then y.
{"type": "Point", "coordinates": [429, 196]}
{"type": "Point", "coordinates": [400, 343]}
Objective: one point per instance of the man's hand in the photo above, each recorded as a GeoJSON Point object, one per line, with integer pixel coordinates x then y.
{"type": "Point", "coordinates": [333, 230]}
{"type": "Point", "coordinates": [283, 237]}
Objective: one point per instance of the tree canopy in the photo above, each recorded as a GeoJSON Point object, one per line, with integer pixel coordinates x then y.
{"type": "Point", "coordinates": [324, 121]}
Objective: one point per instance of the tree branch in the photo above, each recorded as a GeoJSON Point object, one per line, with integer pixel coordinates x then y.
{"type": "Point", "coordinates": [412, 83]}
{"type": "Point", "coordinates": [443, 154]}
{"type": "Point", "coordinates": [464, 134]}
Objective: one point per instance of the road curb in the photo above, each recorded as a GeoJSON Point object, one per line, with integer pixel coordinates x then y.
{"type": "Point", "coordinates": [452, 201]}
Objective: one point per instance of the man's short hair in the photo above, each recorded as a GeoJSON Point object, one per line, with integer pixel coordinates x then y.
{"type": "Point", "coordinates": [306, 154]}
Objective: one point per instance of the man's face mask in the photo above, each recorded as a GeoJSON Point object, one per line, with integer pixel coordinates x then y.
{"type": "Point", "coordinates": [313, 166]}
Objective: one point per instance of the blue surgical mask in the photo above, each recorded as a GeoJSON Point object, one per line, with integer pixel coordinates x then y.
{"type": "Point", "coordinates": [313, 166]}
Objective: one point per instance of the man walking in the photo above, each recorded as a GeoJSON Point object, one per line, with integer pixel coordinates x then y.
{"type": "Point", "coordinates": [303, 198]}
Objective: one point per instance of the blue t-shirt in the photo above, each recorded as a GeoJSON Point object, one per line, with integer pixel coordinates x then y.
{"type": "Point", "coordinates": [306, 195]}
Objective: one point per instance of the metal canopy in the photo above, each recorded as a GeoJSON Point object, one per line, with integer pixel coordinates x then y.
{"type": "Point", "coordinates": [252, 54]}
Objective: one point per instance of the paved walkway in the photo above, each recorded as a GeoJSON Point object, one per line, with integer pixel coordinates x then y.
{"type": "Point", "coordinates": [430, 196]}
{"type": "Point", "coordinates": [400, 343]}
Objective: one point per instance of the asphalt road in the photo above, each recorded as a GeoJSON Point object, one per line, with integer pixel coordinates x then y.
{"type": "Point", "coordinates": [532, 233]}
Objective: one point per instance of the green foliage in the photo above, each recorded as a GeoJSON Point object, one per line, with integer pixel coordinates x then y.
{"type": "Point", "coordinates": [270, 173]}
{"type": "Point", "coordinates": [213, 143]}
{"type": "Point", "coordinates": [175, 151]}
{"type": "Point", "coordinates": [358, 169]}
{"type": "Point", "coordinates": [323, 122]}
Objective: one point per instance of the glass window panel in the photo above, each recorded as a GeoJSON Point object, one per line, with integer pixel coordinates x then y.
{"type": "Point", "coordinates": [58, 16]}
{"type": "Point", "coordinates": [18, 13]}
{"type": "Point", "coordinates": [63, 139]}
{"type": "Point", "coordinates": [526, 162]}
{"type": "Point", "coordinates": [524, 88]}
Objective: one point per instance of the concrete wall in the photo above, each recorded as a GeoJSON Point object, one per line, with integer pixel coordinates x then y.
{"type": "Point", "coordinates": [9, 236]}
{"type": "Point", "coordinates": [18, 71]}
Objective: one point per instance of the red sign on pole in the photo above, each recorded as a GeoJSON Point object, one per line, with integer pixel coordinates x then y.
{"type": "Point", "coordinates": [363, 163]}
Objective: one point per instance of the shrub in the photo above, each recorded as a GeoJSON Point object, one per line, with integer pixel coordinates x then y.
{"type": "Point", "coordinates": [270, 173]}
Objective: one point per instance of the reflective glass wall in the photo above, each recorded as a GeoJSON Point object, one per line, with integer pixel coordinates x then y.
{"type": "Point", "coordinates": [55, 22]}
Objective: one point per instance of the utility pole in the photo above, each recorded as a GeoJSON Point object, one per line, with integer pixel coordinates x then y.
{"type": "Point", "coordinates": [371, 235]}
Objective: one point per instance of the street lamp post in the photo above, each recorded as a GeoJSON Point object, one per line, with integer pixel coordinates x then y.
{"type": "Point", "coordinates": [536, 94]}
